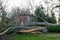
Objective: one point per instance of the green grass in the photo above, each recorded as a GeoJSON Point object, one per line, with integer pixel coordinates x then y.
{"type": "Point", "coordinates": [34, 37]}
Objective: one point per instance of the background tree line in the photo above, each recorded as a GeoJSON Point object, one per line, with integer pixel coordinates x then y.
{"type": "Point", "coordinates": [40, 13]}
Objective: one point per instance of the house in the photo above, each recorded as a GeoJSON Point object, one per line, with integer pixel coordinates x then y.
{"type": "Point", "coordinates": [23, 17]}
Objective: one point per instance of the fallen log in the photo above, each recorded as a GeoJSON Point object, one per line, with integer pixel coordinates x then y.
{"type": "Point", "coordinates": [2, 33]}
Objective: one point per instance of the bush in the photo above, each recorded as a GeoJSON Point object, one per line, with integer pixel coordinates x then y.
{"type": "Point", "coordinates": [55, 29]}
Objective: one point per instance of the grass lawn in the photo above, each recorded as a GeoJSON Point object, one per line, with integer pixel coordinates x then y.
{"type": "Point", "coordinates": [35, 37]}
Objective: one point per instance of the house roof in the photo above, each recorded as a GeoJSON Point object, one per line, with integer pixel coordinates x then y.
{"type": "Point", "coordinates": [23, 14]}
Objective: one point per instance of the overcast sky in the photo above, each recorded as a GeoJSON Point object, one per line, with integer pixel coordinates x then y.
{"type": "Point", "coordinates": [25, 4]}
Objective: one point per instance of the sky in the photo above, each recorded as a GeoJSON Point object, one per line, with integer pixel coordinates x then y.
{"type": "Point", "coordinates": [20, 3]}
{"type": "Point", "coordinates": [25, 3]}
{"type": "Point", "coordinates": [47, 4]}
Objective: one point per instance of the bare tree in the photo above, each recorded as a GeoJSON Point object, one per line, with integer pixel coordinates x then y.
{"type": "Point", "coordinates": [4, 23]}
{"type": "Point", "coordinates": [2, 11]}
{"type": "Point", "coordinates": [57, 6]}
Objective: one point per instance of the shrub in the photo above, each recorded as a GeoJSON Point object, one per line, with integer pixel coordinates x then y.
{"type": "Point", "coordinates": [55, 29]}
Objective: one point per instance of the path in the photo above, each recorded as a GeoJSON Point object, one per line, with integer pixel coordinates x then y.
{"type": "Point", "coordinates": [52, 34]}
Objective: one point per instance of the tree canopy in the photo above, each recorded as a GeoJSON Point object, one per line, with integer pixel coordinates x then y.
{"type": "Point", "coordinates": [39, 12]}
